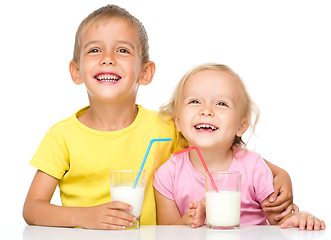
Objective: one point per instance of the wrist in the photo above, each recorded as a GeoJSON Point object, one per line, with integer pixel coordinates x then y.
{"type": "Point", "coordinates": [77, 216]}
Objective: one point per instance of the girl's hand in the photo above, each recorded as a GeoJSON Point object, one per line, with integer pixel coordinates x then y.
{"type": "Point", "coordinates": [292, 208]}
{"type": "Point", "coordinates": [197, 213]}
{"type": "Point", "coordinates": [107, 216]}
{"type": "Point", "coordinates": [304, 220]}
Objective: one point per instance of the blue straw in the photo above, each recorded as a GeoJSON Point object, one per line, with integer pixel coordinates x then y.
{"type": "Point", "coordinates": [146, 154]}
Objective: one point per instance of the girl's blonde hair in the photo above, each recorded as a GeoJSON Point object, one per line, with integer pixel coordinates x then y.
{"type": "Point", "coordinates": [105, 13]}
{"type": "Point", "coordinates": [172, 107]}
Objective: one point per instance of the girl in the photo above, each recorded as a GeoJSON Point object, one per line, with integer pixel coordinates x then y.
{"type": "Point", "coordinates": [212, 110]}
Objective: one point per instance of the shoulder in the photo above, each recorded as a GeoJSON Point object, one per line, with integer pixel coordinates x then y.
{"type": "Point", "coordinates": [172, 166]}
{"type": "Point", "coordinates": [252, 162]}
{"type": "Point", "coordinates": [67, 125]}
{"type": "Point", "coordinates": [247, 156]}
{"type": "Point", "coordinates": [152, 121]}
{"type": "Point", "coordinates": [152, 115]}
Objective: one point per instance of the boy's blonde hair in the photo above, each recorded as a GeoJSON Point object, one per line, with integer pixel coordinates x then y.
{"type": "Point", "coordinates": [103, 14]}
{"type": "Point", "coordinates": [172, 107]}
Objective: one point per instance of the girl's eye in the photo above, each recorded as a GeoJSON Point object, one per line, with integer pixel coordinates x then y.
{"type": "Point", "coordinates": [222, 104]}
{"type": "Point", "coordinates": [194, 102]}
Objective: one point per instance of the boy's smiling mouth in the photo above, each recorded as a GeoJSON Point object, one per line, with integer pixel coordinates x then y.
{"type": "Point", "coordinates": [205, 127]}
{"type": "Point", "coordinates": [107, 77]}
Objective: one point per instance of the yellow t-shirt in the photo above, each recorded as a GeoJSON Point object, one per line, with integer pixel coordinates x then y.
{"type": "Point", "coordinates": [81, 158]}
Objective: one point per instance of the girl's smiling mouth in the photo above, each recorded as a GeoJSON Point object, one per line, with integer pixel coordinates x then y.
{"type": "Point", "coordinates": [205, 127]}
{"type": "Point", "coordinates": [107, 77]}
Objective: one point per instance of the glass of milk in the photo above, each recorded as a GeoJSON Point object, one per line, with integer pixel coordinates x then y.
{"type": "Point", "coordinates": [121, 189]}
{"type": "Point", "coordinates": [223, 207]}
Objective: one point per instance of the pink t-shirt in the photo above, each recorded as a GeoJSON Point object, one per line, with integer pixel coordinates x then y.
{"type": "Point", "coordinates": [178, 180]}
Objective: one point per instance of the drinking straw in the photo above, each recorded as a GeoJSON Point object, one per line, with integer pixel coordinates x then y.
{"type": "Point", "coordinates": [146, 154]}
{"type": "Point", "coordinates": [202, 161]}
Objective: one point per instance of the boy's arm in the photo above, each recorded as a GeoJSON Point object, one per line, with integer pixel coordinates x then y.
{"type": "Point", "coordinates": [282, 196]}
{"type": "Point", "coordinates": [37, 209]}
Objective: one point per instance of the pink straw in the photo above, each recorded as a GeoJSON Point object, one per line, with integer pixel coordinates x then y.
{"type": "Point", "coordinates": [202, 161]}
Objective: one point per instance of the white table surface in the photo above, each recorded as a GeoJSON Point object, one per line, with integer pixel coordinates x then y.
{"type": "Point", "coordinates": [159, 233]}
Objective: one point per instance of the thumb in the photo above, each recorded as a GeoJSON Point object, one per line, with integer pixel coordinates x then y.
{"type": "Point", "coordinates": [292, 221]}
{"type": "Point", "coordinates": [273, 196]}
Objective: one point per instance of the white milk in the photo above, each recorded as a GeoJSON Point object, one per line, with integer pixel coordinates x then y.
{"type": "Point", "coordinates": [134, 197]}
{"type": "Point", "coordinates": [223, 208]}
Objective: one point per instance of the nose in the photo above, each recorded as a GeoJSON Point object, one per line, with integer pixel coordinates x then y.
{"type": "Point", "coordinates": [107, 60]}
{"type": "Point", "coordinates": [207, 112]}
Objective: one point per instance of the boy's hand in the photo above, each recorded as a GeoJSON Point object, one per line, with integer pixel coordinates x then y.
{"type": "Point", "coordinates": [107, 216]}
{"type": "Point", "coordinates": [197, 213]}
{"type": "Point", "coordinates": [282, 196]}
{"type": "Point", "coordinates": [304, 220]}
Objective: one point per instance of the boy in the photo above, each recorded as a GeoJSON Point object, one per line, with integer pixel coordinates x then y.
{"type": "Point", "coordinates": [111, 58]}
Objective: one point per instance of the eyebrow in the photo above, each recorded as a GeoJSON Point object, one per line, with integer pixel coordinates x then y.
{"type": "Point", "coordinates": [120, 42]}
{"type": "Point", "coordinates": [127, 43]}
{"type": "Point", "coordinates": [89, 43]}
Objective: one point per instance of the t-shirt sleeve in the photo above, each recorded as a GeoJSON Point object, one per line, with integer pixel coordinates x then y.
{"type": "Point", "coordinates": [51, 156]}
{"type": "Point", "coordinates": [262, 180]}
{"type": "Point", "coordinates": [164, 179]}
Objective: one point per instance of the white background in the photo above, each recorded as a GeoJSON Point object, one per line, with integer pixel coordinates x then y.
{"type": "Point", "coordinates": [282, 49]}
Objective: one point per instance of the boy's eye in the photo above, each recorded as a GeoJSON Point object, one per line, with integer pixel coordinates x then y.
{"type": "Point", "coordinates": [123, 50]}
{"type": "Point", "coordinates": [94, 50]}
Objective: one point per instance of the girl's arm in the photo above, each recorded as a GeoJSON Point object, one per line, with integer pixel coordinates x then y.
{"type": "Point", "coordinates": [38, 210]}
{"type": "Point", "coordinates": [167, 211]}
{"type": "Point", "coordinates": [283, 196]}
{"type": "Point", "coordinates": [303, 220]}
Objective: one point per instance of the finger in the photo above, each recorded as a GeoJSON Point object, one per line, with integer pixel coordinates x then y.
{"type": "Point", "coordinates": [192, 212]}
{"type": "Point", "coordinates": [275, 208]}
{"type": "Point", "coordinates": [113, 227]}
{"type": "Point", "coordinates": [283, 214]}
{"type": "Point", "coordinates": [273, 196]}
{"type": "Point", "coordinates": [295, 208]}
{"type": "Point", "coordinates": [193, 204]}
{"type": "Point", "coordinates": [323, 226]}
{"type": "Point", "coordinates": [191, 220]}
{"type": "Point", "coordinates": [119, 205]}
{"type": "Point", "coordinates": [281, 199]}
{"type": "Point", "coordinates": [278, 190]}
{"type": "Point", "coordinates": [193, 225]}
{"type": "Point", "coordinates": [118, 214]}
{"type": "Point", "coordinates": [312, 222]}
{"type": "Point", "coordinates": [116, 223]}
{"type": "Point", "coordinates": [302, 222]}
{"type": "Point", "coordinates": [286, 224]}
{"type": "Point", "coordinates": [317, 225]}
{"type": "Point", "coordinates": [292, 221]}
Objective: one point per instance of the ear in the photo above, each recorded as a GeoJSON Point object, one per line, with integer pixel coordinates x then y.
{"type": "Point", "coordinates": [148, 71]}
{"type": "Point", "coordinates": [243, 127]}
{"type": "Point", "coordinates": [176, 120]}
{"type": "Point", "coordinates": [75, 73]}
